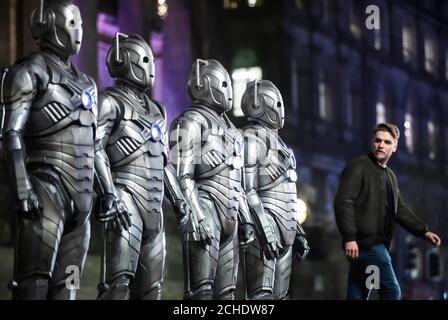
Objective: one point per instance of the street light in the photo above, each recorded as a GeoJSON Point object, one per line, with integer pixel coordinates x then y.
{"type": "Point", "coordinates": [302, 211]}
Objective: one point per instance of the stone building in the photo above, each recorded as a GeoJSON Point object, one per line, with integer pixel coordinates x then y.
{"type": "Point", "coordinates": [338, 79]}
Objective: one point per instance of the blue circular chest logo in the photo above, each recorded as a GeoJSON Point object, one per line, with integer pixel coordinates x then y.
{"type": "Point", "coordinates": [156, 132]}
{"type": "Point", "coordinates": [238, 147]}
{"type": "Point", "coordinates": [292, 158]}
{"type": "Point", "coordinates": [87, 100]}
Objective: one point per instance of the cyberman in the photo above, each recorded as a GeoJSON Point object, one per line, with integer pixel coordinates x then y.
{"type": "Point", "coordinates": [270, 184]}
{"type": "Point", "coordinates": [131, 153]}
{"type": "Point", "coordinates": [49, 134]}
{"type": "Point", "coordinates": [207, 160]}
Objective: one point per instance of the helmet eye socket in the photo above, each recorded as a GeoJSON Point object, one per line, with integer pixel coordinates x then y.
{"type": "Point", "coordinates": [279, 104]}
{"type": "Point", "coordinates": [72, 22]}
{"type": "Point", "coordinates": [145, 60]}
{"type": "Point", "coordinates": [224, 84]}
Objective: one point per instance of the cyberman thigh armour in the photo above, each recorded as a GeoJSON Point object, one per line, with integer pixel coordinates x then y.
{"type": "Point", "coordinates": [59, 138]}
{"type": "Point", "coordinates": [136, 149]}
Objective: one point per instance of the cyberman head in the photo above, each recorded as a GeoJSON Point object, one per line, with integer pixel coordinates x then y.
{"type": "Point", "coordinates": [132, 62]}
{"type": "Point", "coordinates": [209, 83]}
{"type": "Point", "coordinates": [57, 24]}
{"type": "Point", "coordinates": [262, 102]}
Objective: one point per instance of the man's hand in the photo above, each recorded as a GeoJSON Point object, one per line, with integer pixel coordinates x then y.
{"type": "Point", "coordinates": [433, 238]}
{"type": "Point", "coordinates": [351, 250]}
{"type": "Point", "coordinates": [30, 208]}
{"type": "Point", "coordinates": [301, 248]}
{"type": "Point", "coordinates": [246, 233]}
{"type": "Point", "coordinates": [114, 210]}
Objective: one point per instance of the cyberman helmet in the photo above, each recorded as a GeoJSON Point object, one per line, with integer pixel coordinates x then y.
{"type": "Point", "coordinates": [130, 59]}
{"type": "Point", "coordinates": [262, 102]}
{"type": "Point", "coordinates": [209, 83]}
{"type": "Point", "coordinates": [57, 24]}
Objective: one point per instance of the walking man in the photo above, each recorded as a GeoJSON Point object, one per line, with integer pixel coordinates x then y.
{"type": "Point", "coordinates": [367, 205]}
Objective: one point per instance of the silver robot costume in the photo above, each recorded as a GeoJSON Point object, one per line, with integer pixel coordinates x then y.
{"type": "Point", "coordinates": [270, 184]}
{"type": "Point", "coordinates": [131, 153]}
{"type": "Point", "coordinates": [49, 133]}
{"type": "Point", "coordinates": [207, 153]}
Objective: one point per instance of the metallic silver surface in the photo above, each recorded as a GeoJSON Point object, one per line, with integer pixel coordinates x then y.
{"type": "Point", "coordinates": [270, 183]}
{"type": "Point", "coordinates": [131, 151]}
{"type": "Point", "coordinates": [49, 150]}
{"type": "Point", "coordinates": [207, 159]}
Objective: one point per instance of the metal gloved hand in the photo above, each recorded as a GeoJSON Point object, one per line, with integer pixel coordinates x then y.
{"type": "Point", "coordinates": [31, 208]}
{"type": "Point", "coordinates": [182, 213]}
{"type": "Point", "coordinates": [203, 233]}
{"type": "Point", "coordinates": [301, 248]}
{"type": "Point", "coordinates": [114, 211]}
{"type": "Point", "coordinates": [271, 250]}
{"type": "Point", "coordinates": [270, 241]}
{"type": "Point", "coordinates": [246, 234]}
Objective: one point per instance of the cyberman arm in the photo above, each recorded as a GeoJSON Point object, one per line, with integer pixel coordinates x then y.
{"type": "Point", "coordinates": [185, 153]}
{"type": "Point", "coordinates": [18, 93]}
{"type": "Point", "coordinates": [111, 208]}
{"type": "Point", "coordinates": [246, 229]}
{"type": "Point", "coordinates": [264, 228]}
{"type": "Point", "coordinates": [175, 196]}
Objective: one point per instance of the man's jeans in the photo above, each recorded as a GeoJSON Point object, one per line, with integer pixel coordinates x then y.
{"type": "Point", "coordinates": [357, 289]}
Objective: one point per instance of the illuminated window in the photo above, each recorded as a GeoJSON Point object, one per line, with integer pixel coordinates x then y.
{"type": "Point", "coordinates": [380, 112]}
{"type": "Point", "coordinates": [254, 3]}
{"type": "Point", "coordinates": [230, 4]}
{"type": "Point", "coordinates": [240, 77]}
{"type": "Point", "coordinates": [325, 98]}
{"type": "Point", "coordinates": [162, 9]}
{"type": "Point", "coordinates": [377, 39]}
{"type": "Point", "coordinates": [408, 132]}
{"type": "Point", "coordinates": [432, 146]}
{"type": "Point", "coordinates": [430, 55]}
{"type": "Point", "coordinates": [301, 4]}
{"type": "Point", "coordinates": [408, 44]}
{"type": "Point", "coordinates": [355, 22]}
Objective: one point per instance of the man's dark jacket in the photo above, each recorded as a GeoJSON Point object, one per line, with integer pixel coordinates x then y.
{"type": "Point", "coordinates": [359, 199]}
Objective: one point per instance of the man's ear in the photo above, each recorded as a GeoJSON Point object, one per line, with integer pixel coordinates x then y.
{"type": "Point", "coordinates": [395, 146]}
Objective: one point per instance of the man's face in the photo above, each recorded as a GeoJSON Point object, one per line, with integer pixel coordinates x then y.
{"type": "Point", "coordinates": [384, 145]}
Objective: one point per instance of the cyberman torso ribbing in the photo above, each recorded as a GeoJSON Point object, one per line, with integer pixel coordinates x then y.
{"type": "Point", "coordinates": [60, 130]}
{"type": "Point", "coordinates": [137, 151]}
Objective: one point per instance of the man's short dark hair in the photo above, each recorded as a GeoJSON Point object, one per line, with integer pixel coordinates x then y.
{"type": "Point", "coordinates": [388, 127]}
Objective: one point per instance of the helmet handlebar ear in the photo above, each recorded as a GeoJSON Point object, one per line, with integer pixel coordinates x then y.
{"type": "Point", "coordinates": [42, 21]}
{"type": "Point", "coordinates": [256, 94]}
{"type": "Point", "coordinates": [198, 84]}
{"type": "Point", "coordinates": [119, 58]}
{"type": "Point", "coordinates": [256, 107]}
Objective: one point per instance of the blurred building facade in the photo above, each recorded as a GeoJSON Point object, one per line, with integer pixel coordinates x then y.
{"type": "Point", "coordinates": [338, 79]}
